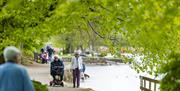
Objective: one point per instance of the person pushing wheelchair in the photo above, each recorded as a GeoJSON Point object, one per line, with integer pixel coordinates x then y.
{"type": "Point", "coordinates": [57, 68]}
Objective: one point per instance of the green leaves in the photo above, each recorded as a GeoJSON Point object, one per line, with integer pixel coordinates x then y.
{"type": "Point", "coordinates": [39, 86]}
{"type": "Point", "coordinates": [22, 22]}
{"type": "Point", "coordinates": [151, 27]}
{"type": "Point", "coordinates": [171, 71]}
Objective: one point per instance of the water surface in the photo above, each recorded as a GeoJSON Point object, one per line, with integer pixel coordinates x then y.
{"type": "Point", "coordinates": [112, 78]}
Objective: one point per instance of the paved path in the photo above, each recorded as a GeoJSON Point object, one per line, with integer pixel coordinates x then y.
{"type": "Point", "coordinates": [40, 72]}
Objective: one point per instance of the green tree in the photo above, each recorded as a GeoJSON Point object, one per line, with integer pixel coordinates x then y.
{"type": "Point", "coordinates": [152, 27]}
{"type": "Point", "coordinates": [21, 23]}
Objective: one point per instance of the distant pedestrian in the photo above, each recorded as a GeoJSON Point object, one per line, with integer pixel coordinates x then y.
{"type": "Point", "coordinates": [76, 65]}
{"type": "Point", "coordinates": [44, 57]}
{"type": "Point", "coordinates": [50, 52]}
{"type": "Point", "coordinates": [14, 77]}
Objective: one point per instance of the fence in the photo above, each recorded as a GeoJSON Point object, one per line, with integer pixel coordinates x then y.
{"type": "Point", "coordinates": [150, 87]}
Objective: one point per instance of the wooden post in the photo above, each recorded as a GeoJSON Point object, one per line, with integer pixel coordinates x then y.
{"type": "Point", "coordinates": [141, 83]}
{"type": "Point", "coordinates": [154, 86]}
{"type": "Point", "coordinates": [149, 85]}
{"type": "Point", "coordinates": [144, 83]}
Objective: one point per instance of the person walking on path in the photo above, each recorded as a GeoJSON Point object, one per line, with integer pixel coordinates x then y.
{"type": "Point", "coordinates": [14, 77]}
{"type": "Point", "coordinates": [50, 53]}
{"type": "Point", "coordinates": [44, 57]}
{"type": "Point", "coordinates": [76, 65]}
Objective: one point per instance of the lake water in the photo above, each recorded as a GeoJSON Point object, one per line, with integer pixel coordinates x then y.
{"type": "Point", "coordinates": [112, 78]}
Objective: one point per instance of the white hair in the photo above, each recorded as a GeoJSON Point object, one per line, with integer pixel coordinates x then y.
{"type": "Point", "coordinates": [77, 52]}
{"type": "Point", "coordinates": [10, 52]}
{"type": "Point", "coordinates": [56, 56]}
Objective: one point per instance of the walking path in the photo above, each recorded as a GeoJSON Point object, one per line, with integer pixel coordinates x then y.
{"type": "Point", "coordinates": [41, 72]}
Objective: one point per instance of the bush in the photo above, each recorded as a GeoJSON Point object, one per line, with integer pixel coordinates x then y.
{"type": "Point", "coordinates": [39, 87]}
{"type": "Point", "coordinates": [103, 54]}
{"type": "Point", "coordinates": [171, 80]}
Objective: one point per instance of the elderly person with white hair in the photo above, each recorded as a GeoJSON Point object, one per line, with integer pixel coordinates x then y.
{"type": "Point", "coordinates": [57, 68]}
{"type": "Point", "coordinates": [14, 77]}
{"type": "Point", "coordinates": [76, 66]}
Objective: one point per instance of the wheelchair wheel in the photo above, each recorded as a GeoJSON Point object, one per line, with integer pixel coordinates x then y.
{"type": "Point", "coordinates": [52, 84]}
{"type": "Point", "coordinates": [62, 84]}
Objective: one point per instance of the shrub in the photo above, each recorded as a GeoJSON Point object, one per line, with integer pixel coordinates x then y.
{"type": "Point", "coordinates": [103, 54]}
{"type": "Point", "coordinates": [171, 80]}
{"type": "Point", "coordinates": [39, 87]}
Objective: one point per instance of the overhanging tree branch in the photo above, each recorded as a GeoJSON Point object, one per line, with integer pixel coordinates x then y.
{"type": "Point", "coordinates": [120, 19]}
{"type": "Point", "coordinates": [92, 28]}
{"type": "Point", "coordinates": [98, 34]}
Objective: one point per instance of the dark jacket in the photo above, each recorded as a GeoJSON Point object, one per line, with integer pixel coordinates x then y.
{"type": "Point", "coordinates": [50, 51]}
{"type": "Point", "coordinates": [57, 67]}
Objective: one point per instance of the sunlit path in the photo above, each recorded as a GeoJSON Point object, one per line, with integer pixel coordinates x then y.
{"type": "Point", "coordinates": [102, 78]}
{"type": "Point", "coordinates": [41, 72]}
{"type": "Point", "coordinates": [66, 89]}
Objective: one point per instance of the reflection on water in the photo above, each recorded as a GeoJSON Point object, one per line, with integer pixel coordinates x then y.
{"type": "Point", "coordinates": [112, 78]}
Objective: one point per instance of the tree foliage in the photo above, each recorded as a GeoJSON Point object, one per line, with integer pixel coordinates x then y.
{"type": "Point", "coordinates": [23, 22]}
{"type": "Point", "coordinates": [152, 27]}
{"type": "Point", "coordinates": [171, 81]}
